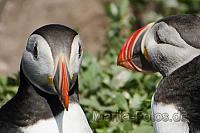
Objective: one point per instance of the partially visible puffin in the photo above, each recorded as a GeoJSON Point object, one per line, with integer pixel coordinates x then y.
{"type": "Point", "coordinates": [47, 98]}
{"type": "Point", "coordinates": [170, 46]}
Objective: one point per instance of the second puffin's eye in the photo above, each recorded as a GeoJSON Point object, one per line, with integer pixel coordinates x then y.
{"type": "Point", "coordinates": [159, 41]}
{"type": "Point", "coordinates": [35, 50]}
{"type": "Point", "coordinates": [80, 49]}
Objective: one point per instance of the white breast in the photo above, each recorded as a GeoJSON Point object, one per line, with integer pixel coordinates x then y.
{"type": "Point", "coordinates": [71, 121]}
{"type": "Point", "coordinates": [167, 119]}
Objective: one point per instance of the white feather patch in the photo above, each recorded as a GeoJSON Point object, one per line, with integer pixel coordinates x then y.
{"type": "Point", "coordinates": [71, 121]}
{"type": "Point", "coordinates": [167, 119]}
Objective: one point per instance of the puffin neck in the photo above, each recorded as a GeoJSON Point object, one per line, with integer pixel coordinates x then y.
{"type": "Point", "coordinates": [182, 88]}
{"type": "Point", "coordinates": [30, 104]}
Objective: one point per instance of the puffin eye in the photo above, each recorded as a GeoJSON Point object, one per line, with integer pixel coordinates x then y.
{"type": "Point", "coordinates": [35, 50]}
{"type": "Point", "coordinates": [157, 38]}
{"type": "Point", "coordinates": [79, 50]}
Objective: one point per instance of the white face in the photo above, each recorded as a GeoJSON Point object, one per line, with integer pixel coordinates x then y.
{"type": "Point", "coordinates": [166, 49]}
{"type": "Point", "coordinates": [39, 65]}
{"type": "Point", "coordinates": [75, 56]}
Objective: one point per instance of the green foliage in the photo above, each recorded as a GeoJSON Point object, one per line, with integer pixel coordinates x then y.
{"type": "Point", "coordinates": [122, 98]}
{"type": "Point", "coordinates": [8, 87]}
{"type": "Point", "coordinates": [114, 99]}
{"type": "Point", "coordinates": [115, 94]}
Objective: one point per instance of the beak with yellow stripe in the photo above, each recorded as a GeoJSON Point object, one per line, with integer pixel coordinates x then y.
{"type": "Point", "coordinates": [133, 54]}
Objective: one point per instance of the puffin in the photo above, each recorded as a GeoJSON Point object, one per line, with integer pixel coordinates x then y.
{"type": "Point", "coordinates": [170, 46]}
{"type": "Point", "coordinates": [47, 98]}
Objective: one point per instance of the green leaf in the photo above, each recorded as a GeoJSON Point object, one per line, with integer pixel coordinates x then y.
{"type": "Point", "coordinates": [114, 10]}
{"type": "Point", "coordinates": [126, 126]}
{"type": "Point", "coordinates": [103, 130]}
{"type": "Point", "coordinates": [111, 10]}
{"type": "Point", "coordinates": [144, 129]}
{"type": "Point", "coordinates": [136, 101]}
{"type": "Point", "coordinates": [120, 79]}
{"type": "Point", "coordinates": [121, 102]}
{"type": "Point", "coordinates": [123, 6]}
{"type": "Point", "coordinates": [3, 81]}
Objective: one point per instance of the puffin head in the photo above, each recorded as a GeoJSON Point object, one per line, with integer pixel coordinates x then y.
{"type": "Point", "coordinates": [163, 46]}
{"type": "Point", "coordinates": [52, 58]}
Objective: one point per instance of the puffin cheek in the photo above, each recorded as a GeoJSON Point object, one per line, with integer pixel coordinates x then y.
{"type": "Point", "coordinates": [75, 64]}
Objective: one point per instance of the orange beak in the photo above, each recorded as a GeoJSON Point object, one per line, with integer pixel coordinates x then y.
{"type": "Point", "coordinates": [62, 83]}
{"type": "Point", "coordinates": [132, 55]}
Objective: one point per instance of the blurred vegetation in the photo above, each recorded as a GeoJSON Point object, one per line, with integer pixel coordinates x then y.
{"type": "Point", "coordinates": [117, 100]}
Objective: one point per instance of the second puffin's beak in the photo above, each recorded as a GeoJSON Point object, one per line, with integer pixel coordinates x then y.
{"type": "Point", "coordinates": [61, 82]}
{"type": "Point", "coordinates": [133, 55]}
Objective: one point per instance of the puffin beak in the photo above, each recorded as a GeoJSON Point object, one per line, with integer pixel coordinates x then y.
{"type": "Point", "coordinates": [61, 82]}
{"type": "Point", "coordinates": [133, 54]}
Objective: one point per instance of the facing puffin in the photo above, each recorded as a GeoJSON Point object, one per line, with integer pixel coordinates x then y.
{"type": "Point", "coordinates": [47, 98]}
{"type": "Point", "coordinates": [170, 46]}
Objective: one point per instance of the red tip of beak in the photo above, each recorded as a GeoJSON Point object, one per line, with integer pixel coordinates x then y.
{"type": "Point", "coordinates": [64, 86]}
{"type": "Point", "coordinates": [125, 55]}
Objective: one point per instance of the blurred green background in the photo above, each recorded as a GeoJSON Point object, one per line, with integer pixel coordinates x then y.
{"type": "Point", "coordinates": [114, 99]}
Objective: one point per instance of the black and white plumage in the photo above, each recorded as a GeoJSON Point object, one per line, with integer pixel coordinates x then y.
{"type": "Point", "coordinates": [170, 46]}
{"type": "Point", "coordinates": [47, 98]}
